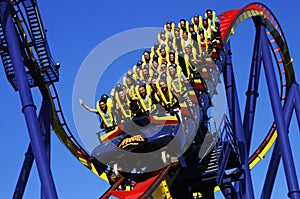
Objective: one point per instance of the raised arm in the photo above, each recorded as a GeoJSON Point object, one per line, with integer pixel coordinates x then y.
{"type": "Point", "coordinates": [87, 107]}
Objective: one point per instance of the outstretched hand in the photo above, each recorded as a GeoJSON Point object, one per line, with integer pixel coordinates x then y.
{"type": "Point", "coordinates": [80, 102]}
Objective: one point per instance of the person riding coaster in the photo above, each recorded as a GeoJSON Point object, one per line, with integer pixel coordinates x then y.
{"type": "Point", "coordinates": [104, 108]}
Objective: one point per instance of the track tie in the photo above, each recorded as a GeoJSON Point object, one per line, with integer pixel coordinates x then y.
{"type": "Point", "coordinates": [277, 50]}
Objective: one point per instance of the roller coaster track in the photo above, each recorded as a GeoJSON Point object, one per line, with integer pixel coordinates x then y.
{"type": "Point", "coordinates": [229, 21]}
{"type": "Point", "coordinates": [33, 42]}
{"type": "Point", "coordinates": [33, 37]}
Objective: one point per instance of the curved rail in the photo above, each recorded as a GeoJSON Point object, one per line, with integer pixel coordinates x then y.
{"type": "Point", "coordinates": [230, 20]}
{"type": "Point", "coordinates": [63, 132]}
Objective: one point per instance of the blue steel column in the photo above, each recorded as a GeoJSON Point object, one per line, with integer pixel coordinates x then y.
{"type": "Point", "coordinates": [252, 92]}
{"type": "Point", "coordinates": [246, 187]}
{"type": "Point", "coordinates": [281, 126]}
{"type": "Point", "coordinates": [275, 158]}
{"type": "Point", "coordinates": [44, 121]}
{"type": "Point", "coordinates": [28, 107]}
{"type": "Point", "coordinates": [271, 174]}
{"type": "Point", "coordinates": [24, 174]}
{"type": "Point", "coordinates": [228, 190]}
{"type": "Point", "coordinates": [297, 102]}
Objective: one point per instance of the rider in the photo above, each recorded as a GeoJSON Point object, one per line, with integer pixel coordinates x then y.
{"type": "Point", "coordinates": [167, 97]}
{"type": "Point", "coordinates": [143, 91]}
{"type": "Point", "coordinates": [104, 110]}
{"type": "Point", "coordinates": [123, 112]}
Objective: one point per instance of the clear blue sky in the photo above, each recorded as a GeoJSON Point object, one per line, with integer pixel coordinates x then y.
{"type": "Point", "coordinates": [73, 31]}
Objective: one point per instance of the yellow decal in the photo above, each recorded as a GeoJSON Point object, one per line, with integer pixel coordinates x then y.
{"type": "Point", "coordinates": [134, 140]}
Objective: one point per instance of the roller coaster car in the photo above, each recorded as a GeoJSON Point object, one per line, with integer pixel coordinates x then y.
{"type": "Point", "coordinates": [145, 134]}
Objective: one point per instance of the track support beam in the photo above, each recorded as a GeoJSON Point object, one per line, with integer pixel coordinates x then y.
{"type": "Point", "coordinates": [297, 102]}
{"type": "Point", "coordinates": [28, 107]}
{"type": "Point", "coordinates": [252, 92]}
{"type": "Point", "coordinates": [275, 158]}
{"type": "Point", "coordinates": [228, 190]}
{"type": "Point", "coordinates": [284, 143]}
{"type": "Point", "coordinates": [44, 120]}
{"type": "Point", "coordinates": [245, 186]}
{"type": "Point", "coordinates": [24, 174]}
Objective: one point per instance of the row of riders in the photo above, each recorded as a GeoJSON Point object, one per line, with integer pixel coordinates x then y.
{"type": "Point", "coordinates": [161, 82]}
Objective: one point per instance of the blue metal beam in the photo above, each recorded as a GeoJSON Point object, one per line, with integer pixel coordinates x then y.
{"type": "Point", "coordinates": [245, 188]}
{"type": "Point", "coordinates": [228, 190]}
{"type": "Point", "coordinates": [276, 155]}
{"type": "Point", "coordinates": [28, 107]}
{"type": "Point", "coordinates": [45, 126]}
{"type": "Point", "coordinates": [24, 174]}
{"type": "Point", "coordinates": [252, 92]}
{"type": "Point", "coordinates": [297, 102]}
{"type": "Point", "coordinates": [44, 121]}
{"type": "Point", "coordinates": [284, 143]}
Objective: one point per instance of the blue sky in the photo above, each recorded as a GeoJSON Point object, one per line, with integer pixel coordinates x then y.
{"type": "Point", "coordinates": [74, 30]}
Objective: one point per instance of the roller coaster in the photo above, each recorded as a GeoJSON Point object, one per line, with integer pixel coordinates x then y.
{"type": "Point", "coordinates": [226, 162]}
